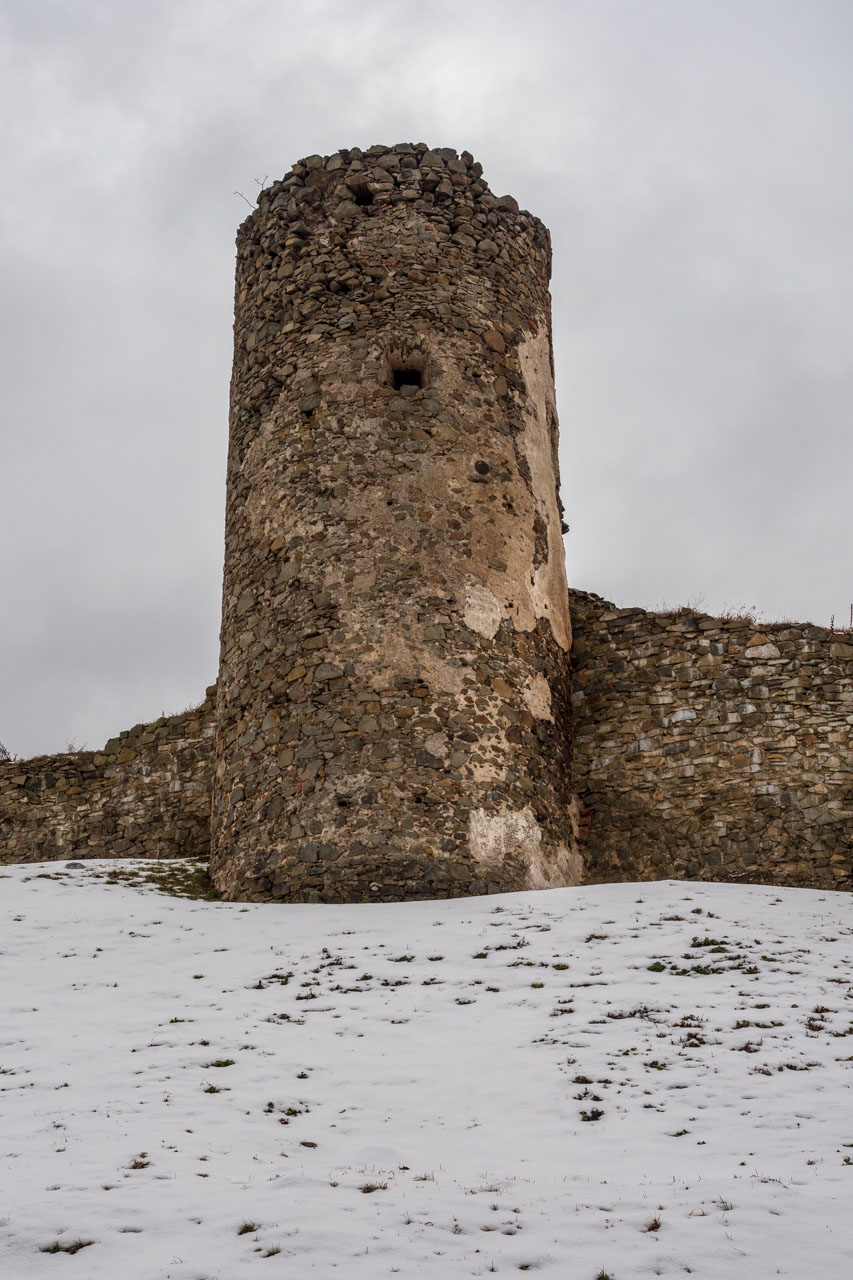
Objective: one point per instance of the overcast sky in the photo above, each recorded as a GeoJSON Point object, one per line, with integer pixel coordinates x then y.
{"type": "Point", "coordinates": [692, 159]}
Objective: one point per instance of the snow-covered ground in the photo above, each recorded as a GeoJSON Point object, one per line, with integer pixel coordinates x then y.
{"type": "Point", "coordinates": [619, 1081]}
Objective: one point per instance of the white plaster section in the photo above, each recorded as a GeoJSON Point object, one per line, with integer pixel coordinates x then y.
{"type": "Point", "coordinates": [395, 654]}
{"type": "Point", "coordinates": [492, 837]}
{"type": "Point", "coordinates": [548, 588]}
{"type": "Point", "coordinates": [442, 675]}
{"type": "Point", "coordinates": [537, 697]}
{"type": "Point", "coordinates": [482, 611]}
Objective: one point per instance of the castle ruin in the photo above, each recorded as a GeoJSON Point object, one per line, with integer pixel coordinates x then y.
{"type": "Point", "coordinates": [393, 716]}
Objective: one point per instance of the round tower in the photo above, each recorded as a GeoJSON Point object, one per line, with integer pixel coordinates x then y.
{"type": "Point", "coordinates": [393, 696]}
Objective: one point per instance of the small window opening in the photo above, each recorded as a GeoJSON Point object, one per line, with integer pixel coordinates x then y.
{"type": "Point", "coordinates": [362, 194]}
{"type": "Point", "coordinates": [407, 378]}
{"type": "Point", "coordinates": [404, 367]}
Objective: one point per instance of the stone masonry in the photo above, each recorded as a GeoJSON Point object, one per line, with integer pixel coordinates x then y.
{"type": "Point", "coordinates": [712, 748]}
{"type": "Point", "coordinates": [393, 697]}
{"type": "Point", "coordinates": [395, 714]}
{"type": "Point", "coordinates": [145, 795]}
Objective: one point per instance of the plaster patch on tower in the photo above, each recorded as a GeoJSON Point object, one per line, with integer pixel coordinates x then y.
{"type": "Point", "coordinates": [482, 612]}
{"type": "Point", "coordinates": [548, 589]}
{"type": "Point", "coordinates": [397, 656]}
{"type": "Point", "coordinates": [537, 697]}
{"type": "Point", "coordinates": [442, 676]}
{"type": "Point", "coordinates": [494, 837]}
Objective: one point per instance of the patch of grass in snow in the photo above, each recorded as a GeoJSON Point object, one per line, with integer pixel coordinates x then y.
{"type": "Point", "coordinates": [177, 877]}
{"type": "Point", "coordinates": [641, 1011]}
{"type": "Point", "coordinates": [246, 1228]}
{"type": "Point", "coordinates": [58, 1247]}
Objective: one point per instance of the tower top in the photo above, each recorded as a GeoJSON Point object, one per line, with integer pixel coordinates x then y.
{"type": "Point", "coordinates": [346, 185]}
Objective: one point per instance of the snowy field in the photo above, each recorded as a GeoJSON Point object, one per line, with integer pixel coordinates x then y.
{"type": "Point", "coordinates": [620, 1081]}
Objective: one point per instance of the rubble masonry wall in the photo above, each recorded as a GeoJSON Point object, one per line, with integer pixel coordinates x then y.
{"type": "Point", "coordinates": [146, 795]}
{"type": "Point", "coordinates": [712, 748]}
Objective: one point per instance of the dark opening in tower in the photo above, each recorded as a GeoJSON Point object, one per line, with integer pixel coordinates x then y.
{"type": "Point", "coordinates": [407, 378]}
{"type": "Point", "coordinates": [404, 368]}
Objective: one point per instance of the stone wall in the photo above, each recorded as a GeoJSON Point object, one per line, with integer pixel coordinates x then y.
{"type": "Point", "coordinates": [393, 698]}
{"type": "Point", "coordinates": [704, 748]}
{"type": "Point", "coordinates": [712, 748]}
{"type": "Point", "coordinates": [146, 795]}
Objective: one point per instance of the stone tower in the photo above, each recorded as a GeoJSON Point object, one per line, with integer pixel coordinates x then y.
{"type": "Point", "coordinates": [393, 698]}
